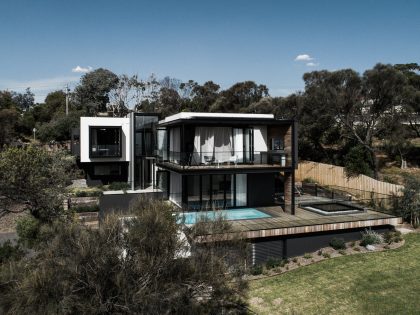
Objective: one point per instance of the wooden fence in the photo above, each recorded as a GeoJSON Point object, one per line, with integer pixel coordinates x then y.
{"type": "Point", "coordinates": [331, 175]}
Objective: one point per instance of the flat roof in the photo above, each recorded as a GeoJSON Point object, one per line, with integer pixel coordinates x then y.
{"type": "Point", "coordinates": [191, 115]}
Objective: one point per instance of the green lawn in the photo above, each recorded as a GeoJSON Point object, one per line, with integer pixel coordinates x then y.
{"type": "Point", "coordinates": [373, 283]}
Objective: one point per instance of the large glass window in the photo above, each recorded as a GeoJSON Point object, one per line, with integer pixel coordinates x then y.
{"type": "Point", "coordinates": [216, 191]}
{"type": "Point", "coordinates": [241, 190]}
{"type": "Point", "coordinates": [193, 184]}
{"type": "Point", "coordinates": [105, 141]}
{"type": "Point", "coordinates": [206, 191]}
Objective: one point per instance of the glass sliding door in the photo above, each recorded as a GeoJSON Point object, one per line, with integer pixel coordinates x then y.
{"type": "Point", "coordinates": [218, 191]}
{"type": "Point", "coordinates": [241, 190]}
{"type": "Point", "coordinates": [229, 190]}
{"type": "Point", "coordinates": [194, 195]}
{"type": "Point", "coordinates": [206, 192]}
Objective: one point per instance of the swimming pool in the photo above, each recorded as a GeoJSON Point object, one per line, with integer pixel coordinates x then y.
{"type": "Point", "coordinates": [229, 214]}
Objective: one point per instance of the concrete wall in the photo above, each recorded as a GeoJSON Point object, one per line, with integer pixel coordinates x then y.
{"type": "Point", "coordinates": [86, 122]}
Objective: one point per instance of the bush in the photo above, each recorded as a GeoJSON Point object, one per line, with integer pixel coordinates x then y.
{"type": "Point", "coordinates": [295, 259]}
{"type": "Point", "coordinates": [392, 236]}
{"type": "Point", "coordinates": [88, 193]}
{"type": "Point", "coordinates": [256, 270]}
{"type": "Point", "coordinates": [119, 186]}
{"type": "Point", "coordinates": [80, 209]}
{"type": "Point", "coordinates": [326, 255]}
{"type": "Point", "coordinates": [27, 229]}
{"type": "Point", "coordinates": [320, 252]}
{"type": "Point", "coordinates": [342, 252]}
{"type": "Point", "coordinates": [370, 237]}
{"type": "Point", "coordinates": [338, 243]}
{"type": "Point", "coordinates": [307, 256]}
{"type": "Point", "coordinates": [357, 249]}
{"type": "Point", "coordinates": [9, 251]}
{"type": "Point", "coordinates": [274, 262]}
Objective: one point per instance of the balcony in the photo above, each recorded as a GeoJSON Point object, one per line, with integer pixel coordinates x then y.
{"type": "Point", "coordinates": [224, 159]}
{"type": "Point", "coordinates": [105, 150]}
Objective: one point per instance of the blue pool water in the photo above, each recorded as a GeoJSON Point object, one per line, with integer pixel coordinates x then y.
{"type": "Point", "coordinates": [230, 215]}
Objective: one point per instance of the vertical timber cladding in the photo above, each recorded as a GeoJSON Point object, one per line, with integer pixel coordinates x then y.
{"type": "Point", "coordinates": [261, 189]}
{"type": "Point", "coordinates": [291, 246]}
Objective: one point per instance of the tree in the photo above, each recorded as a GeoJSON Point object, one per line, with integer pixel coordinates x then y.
{"type": "Point", "coordinates": [135, 266]}
{"type": "Point", "coordinates": [239, 96]}
{"type": "Point", "coordinates": [35, 178]}
{"type": "Point", "coordinates": [24, 101]}
{"type": "Point", "coordinates": [204, 96]}
{"type": "Point", "coordinates": [409, 207]}
{"type": "Point", "coordinates": [93, 92]}
{"type": "Point", "coordinates": [9, 117]}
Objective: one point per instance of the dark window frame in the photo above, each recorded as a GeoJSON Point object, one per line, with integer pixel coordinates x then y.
{"type": "Point", "coordinates": [94, 155]}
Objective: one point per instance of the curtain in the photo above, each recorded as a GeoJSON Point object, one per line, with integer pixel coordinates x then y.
{"type": "Point", "coordinates": [241, 191]}
{"type": "Point", "coordinates": [238, 140]}
{"type": "Point", "coordinates": [222, 144]}
{"type": "Point", "coordinates": [175, 187]}
{"type": "Point", "coordinates": [175, 145]}
{"type": "Point", "coordinates": [212, 144]}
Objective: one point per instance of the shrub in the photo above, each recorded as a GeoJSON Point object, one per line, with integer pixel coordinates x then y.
{"type": "Point", "coordinates": [295, 260]}
{"type": "Point", "coordinates": [307, 256]}
{"type": "Point", "coordinates": [326, 255]}
{"type": "Point", "coordinates": [338, 243]}
{"type": "Point", "coordinates": [352, 244]}
{"type": "Point", "coordinates": [392, 236]}
{"type": "Point", "coordinates": [387, 247]}
{"type": "Point", "coordinates": [357, 249]}
{"type": "Point", "coordinates": [370, 237]}
{"type": "Point", "coordinates": [309, 180]}
{"type": "Point", "coordinates": [273, 263]}
{"type": "Point", "coordinates": [256, 270]}
{"type": "Point", "coordinates": [320, 252]}
{"type": "Point", "coordinates": [342, 252]}
{"type": "Point", "coordinates": [88, 193]}
{"type": "Point", "coordinates": [9, 251]}
{"type": "Point", "coordinates": [119, 186]}
{"type": "Point", "coordinates": [27, 229]}
{"type": "Point", "coordinates": [80, 209]}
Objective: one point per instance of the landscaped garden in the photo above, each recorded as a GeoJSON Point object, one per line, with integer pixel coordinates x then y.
{"type": "Point", "coordinates": [384, 282]}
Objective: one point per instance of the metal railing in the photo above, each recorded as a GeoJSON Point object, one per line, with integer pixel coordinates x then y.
{"type": "Point", "coordinates": [105, 150]}
{"type": "Point", "coordinates": [218, 158]}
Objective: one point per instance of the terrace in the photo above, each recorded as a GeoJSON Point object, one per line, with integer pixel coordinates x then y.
{"type": "Point", "coordinates": [304, 221]}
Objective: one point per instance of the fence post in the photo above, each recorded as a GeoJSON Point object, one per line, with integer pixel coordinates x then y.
{"type": "Point", "coordinates": [316, 190]}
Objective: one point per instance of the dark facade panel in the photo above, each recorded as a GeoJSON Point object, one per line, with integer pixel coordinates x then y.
{"type": "Point", "coordinates": [261, 189]}
{"type": "Point", "coordinates": [291, 246]}
{"type": "Point", "coordinates": [118, 172]}
{"type": "Point", "coordinates": [121, 203]}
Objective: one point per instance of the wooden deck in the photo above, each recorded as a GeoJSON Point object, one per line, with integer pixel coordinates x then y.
{"type": "Point", "coordinates": [281, 223]}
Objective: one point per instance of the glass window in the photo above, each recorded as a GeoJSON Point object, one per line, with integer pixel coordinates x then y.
{"type": "Point", "coordinates": [193, 186]}
{"type": "Point", "coordinates": [230, 181]}
{"type": "Point", "coordinates": [105, 141]}
{"type": "Point", "coordinates": [241, 190]}
{"type": "Point", "coordinates": [206, 191]}
{"type": "Point", "coordinates": [218, 191]}
{"type": "Point", "coordinates": [107, 169]}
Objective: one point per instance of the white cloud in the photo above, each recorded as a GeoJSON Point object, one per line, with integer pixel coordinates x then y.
{"type": "Point", "coordinates": [303, 57]}
{"type": "Point", "coordinates": [80, 69]}
{"type": "Point", "coordinates": [312, 64]}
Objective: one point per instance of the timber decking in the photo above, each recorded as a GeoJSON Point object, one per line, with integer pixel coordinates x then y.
{"type": "Point", "coordinates": [304, 221]}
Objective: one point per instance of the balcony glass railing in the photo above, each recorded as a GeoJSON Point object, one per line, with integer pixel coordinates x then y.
{"type": "Point", "coordinates": [219, 158]}
{"type": "Point", "coordinates": [105, 150]}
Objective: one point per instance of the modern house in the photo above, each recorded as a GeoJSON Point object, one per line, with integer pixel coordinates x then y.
{"type": "Point", "coordinates": [202, 160]}
{"type": "Point", "coordinates": [243, 163]}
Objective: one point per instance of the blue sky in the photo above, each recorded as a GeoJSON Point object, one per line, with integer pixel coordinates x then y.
{"type": "Point", "coordinates": [224, 41]}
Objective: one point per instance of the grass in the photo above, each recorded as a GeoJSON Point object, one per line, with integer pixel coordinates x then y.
{"type": "Point", "coordinates": [373, 283]}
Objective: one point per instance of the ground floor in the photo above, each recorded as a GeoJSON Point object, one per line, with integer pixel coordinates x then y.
{"type": "Point", "coordinates": [229, 190]}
